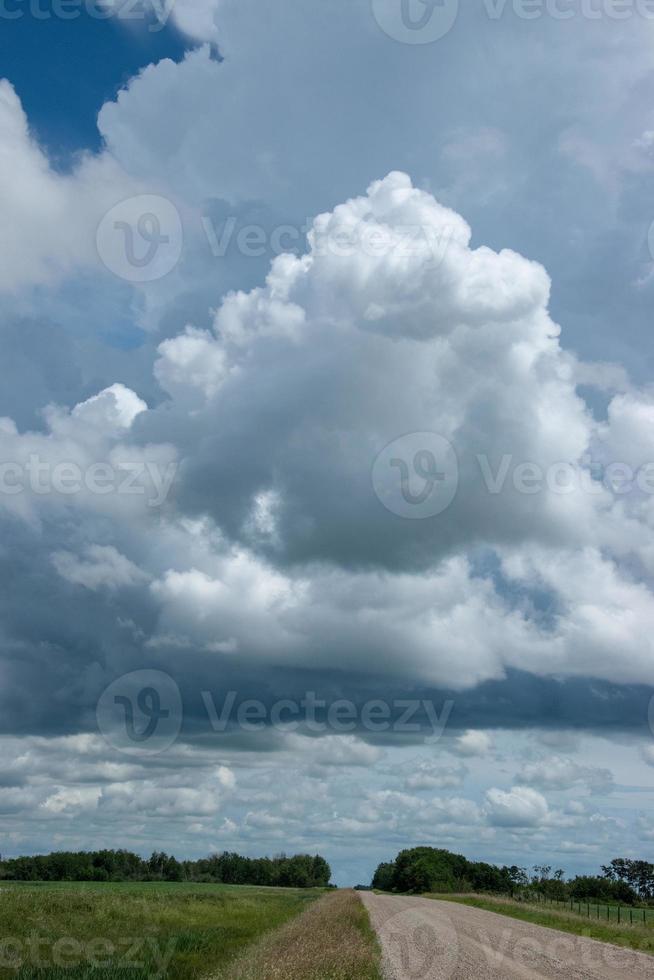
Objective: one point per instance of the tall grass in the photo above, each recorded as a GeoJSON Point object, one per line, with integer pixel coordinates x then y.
{"type": "Point", "coordinates": [331, 940]}
{"type": "Point", "coordinates": [134, 931]}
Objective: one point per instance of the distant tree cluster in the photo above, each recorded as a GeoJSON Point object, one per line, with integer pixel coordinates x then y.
{"type": "Point", "coordinates": [297, 871]}
{"type": "Point", "coordinates": [430, 869]}
{"type": "Point", "coordinates": [638, 875]}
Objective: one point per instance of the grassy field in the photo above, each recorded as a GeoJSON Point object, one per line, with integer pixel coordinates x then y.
{"type": "Point", "coordinates": [634, 937]}
{"type": "Point", "coordinates": [330, 940]}
{"type": "Point", "coordinates": [70, 931]}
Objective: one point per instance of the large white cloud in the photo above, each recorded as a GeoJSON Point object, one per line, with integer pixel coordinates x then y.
{"type": "Point", "coordinates": [277, 416]}
{"type": "Point", "coordinates": [518, 807]}
{"type": "Point", "coordinates": [49, 219]}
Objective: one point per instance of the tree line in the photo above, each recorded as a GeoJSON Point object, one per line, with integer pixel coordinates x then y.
{"type": "Point", "coordinates": [296, 871]}
{"type": "Point", "coordinates": [430, 869]}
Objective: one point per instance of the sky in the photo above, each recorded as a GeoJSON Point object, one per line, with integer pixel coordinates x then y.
{"type": "Point", "coordinates": [326, 452]}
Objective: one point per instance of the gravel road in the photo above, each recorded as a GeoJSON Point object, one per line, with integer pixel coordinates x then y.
{"type": "Point", "coordinates": [424, 939]}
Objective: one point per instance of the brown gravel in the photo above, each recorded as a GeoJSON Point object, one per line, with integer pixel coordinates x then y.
{"type": "Point", "coordinates": [424, 939]}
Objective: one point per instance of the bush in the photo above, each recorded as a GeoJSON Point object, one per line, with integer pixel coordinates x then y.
{"type": "Point", "coordinates": [585, 888]}
{"type": "Point", "coordinates": [429, 869]}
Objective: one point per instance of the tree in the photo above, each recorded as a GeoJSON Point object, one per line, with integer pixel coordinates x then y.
{"type": "Point", "coordinates": [518, 877]}
{"type": "Point", "coordinates": [299, 871]}
{"type": "Point", "coordinates": [384, 877]}
{"type": "Point", "coordinates": [639, 875]}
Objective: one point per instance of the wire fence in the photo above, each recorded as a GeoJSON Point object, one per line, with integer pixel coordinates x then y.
{"type": "Point", "coordinates": [621, 914]}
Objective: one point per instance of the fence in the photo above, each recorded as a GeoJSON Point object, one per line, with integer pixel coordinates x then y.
{"type": "Point", "coordinates": [608, 913]}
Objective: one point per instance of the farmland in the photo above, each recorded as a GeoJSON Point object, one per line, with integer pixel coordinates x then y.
{"type": "Point", "coordinates": [130, 931]}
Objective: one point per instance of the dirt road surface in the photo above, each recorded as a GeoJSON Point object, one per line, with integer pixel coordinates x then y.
{"type": "Point", "coordinates": [423, 939]}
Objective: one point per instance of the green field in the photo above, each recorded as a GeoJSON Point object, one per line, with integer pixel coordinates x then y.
{"type": "Point", "coordinates": [636, 936]}
{"type": "Point", "coordinates": [130, 931]}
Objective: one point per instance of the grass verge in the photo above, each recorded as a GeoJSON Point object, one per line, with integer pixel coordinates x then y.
{"type": "Point", "coordinates": [330, 940]}
{"type": "Point", "coordinates": [636, 937]}
{"type": "Point", "coordinates": [134, 931]}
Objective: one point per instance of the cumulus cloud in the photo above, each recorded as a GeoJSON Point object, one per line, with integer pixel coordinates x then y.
{"type": "Point", "coordinates": [335, 750]}
{"type": "Point", "coordinates": [432, 776]}
{"type": "Point", "coordinates": [473, 743]}
{"type": "Point", "coordinates": [102, 565]}
{"type": "Point", "coordinates": [275, 546]}
{"type": "Point", "coordinates": [197, 18]}
{"type": "Point", "coordinates": [517, 807]}
{"type": "Point", "coordinates": [49, 219]}
{"type": "Point", "coordinates": [559, 773]}
{"type": "Point", "coordinates": [78, 798]}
